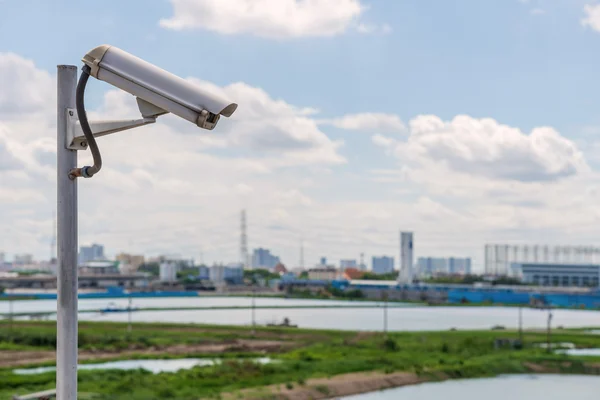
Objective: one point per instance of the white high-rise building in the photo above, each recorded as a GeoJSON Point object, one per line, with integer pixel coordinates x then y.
{"type": "Point", "coordinates": [168, 271]}
{"type": "Point", "coordinates": [406, 258]}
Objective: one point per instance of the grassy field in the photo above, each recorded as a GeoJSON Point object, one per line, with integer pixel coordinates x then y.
{"type": "Point", "coordinates": [301, 355]}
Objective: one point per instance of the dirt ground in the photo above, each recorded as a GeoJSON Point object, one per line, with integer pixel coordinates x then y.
{"type": "Point", "coordinates": [330, 388]}
{"type": "Point", "coordinates": [11, 358]}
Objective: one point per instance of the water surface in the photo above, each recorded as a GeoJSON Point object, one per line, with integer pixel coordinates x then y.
{"type": "Point", "coordinates": [409, 318]}
{"type": "Point", "coordinates": [508, 387]}
{"type": "Point", "coordinates": [581, 352]}
{"type": "Point", "coordinates": [154, 366]}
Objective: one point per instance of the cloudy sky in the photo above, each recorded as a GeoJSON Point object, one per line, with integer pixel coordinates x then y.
{"type": "Point", "coordinates": [465, 121]}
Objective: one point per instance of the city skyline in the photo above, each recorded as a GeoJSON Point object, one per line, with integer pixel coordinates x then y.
{"type": "Point", "coordinates": [479, 131]}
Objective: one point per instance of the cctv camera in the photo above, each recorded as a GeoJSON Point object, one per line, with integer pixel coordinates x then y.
{"type": "Point", "coordinates": [157, 86]}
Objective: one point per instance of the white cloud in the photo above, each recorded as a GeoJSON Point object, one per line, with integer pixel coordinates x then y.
{"type": "Point", "coordinates": [592, 18]}
{"type": "Point", "coordinates": [502, 184]}
{"type": "Point", "coordinates": [280, 133]}
{"type": "Point", "coordinates": [24, 88]}
{"type": "Point", "coordinates": [7, 160]}
{"type": "Point", "coordinates": [172, 188]}
{"type": "Point", "coordinates": [489, 149]}
{"type": "Point", "coordinates": [271, 18]}
{"type": "Point", "coordinates": [369, 122]}
{"type": "Point", "coordinates": [169, 172]}
{"type": "Point", "coordinates": [538, 11]}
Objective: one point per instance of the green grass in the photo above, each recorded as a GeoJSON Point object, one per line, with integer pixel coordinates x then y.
{"type": "Point", "coordinates": [317, 353]}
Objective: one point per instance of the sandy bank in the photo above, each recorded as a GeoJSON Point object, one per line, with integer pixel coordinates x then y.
{"type": "Point", "coordinates": [326, 388]}
{"type": "Point", "coordinates": [357, 383]}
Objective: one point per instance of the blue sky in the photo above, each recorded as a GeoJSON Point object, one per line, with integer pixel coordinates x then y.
{"type": "Point", "coordinates": [524, 65]}
{"type": "Point", "coordinates": [443, 57]}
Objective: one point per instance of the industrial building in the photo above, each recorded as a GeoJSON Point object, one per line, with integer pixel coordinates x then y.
{"type": "Point", "coordinates": [499, 258]}
{"type": "Point", "coordinates": [543, 274]}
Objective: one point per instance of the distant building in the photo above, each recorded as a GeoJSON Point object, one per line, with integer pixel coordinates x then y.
{"type": "Point", "coordinates": [280, 269]}
{"type": "Point", "coordinates": [322, 273]}
{"type": "Point", "coordinates": [262, 258]}
{"type": "Point", "coordinates": [94, 252]}
{"type": "Point", "coordinates": [99, 267]}
{"type": "Point", "coordinates": [430, 266]}
{"type": "Point", "coordinates": [353, 273]}
{"type": "Point", "coordinates": [4, 266]}
{"type": "Point", "coordinates": [542, 274]}
{"type": "Point", "coordinates": [288, 276]}
{"type": "Point", "coordinates": [500, 257]}
{"type": "Point", "coordinates": [23, 259]}
{"type": "Point", "coordinates": [406, 257]}
{"type": "Point", "coordinates": [132, 262]}
{"type": "Point", "coordinates": [460, 266]}
{"type": "Point", "coordinates": [382, 265]}
{"type": "Point", "coordinates": [232, 274]}
{"type": "Point", "coordinates": [203, 272]}
{"type": "Point", "coordinates": [168, 271]}
{"type": "Point", "coordinates": [348, 264]}
{"type": "Point", "coordinates": [323, 261]}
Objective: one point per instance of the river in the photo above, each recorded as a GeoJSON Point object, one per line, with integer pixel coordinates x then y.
{"type": "Point", "coordinates": [513, 387]}
{"type": "Point", "coordinates": [407, 317]}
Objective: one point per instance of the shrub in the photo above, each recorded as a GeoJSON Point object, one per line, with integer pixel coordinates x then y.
{"type": "Point", "coordinates": [390, 344]}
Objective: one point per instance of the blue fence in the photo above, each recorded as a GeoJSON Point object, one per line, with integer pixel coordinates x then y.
{"type": "Point", "coordinates": [111, 293]}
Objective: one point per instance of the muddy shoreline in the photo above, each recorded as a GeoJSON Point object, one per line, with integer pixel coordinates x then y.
{"type": "Point", "coordinates": [359, 383]}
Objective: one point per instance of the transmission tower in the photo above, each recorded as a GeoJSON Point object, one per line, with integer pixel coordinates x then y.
{"type": "Point", "coordinates": [244, 242]}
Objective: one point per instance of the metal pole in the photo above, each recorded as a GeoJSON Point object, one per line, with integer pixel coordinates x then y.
{"type": "Point", "coordinates": [385, 322]}
{"type": "Point", "coordinates": [548, 340]}
{"type": "Point", "coordinates": [521, 324]}
{"type": "Point", "coordinates": [129, 316]}
{"type": "Point", "coordinates": [66, 326]}
{"type": "Point", "coordinates": [253, 310]}
{"type": "Point", "coordinates": [10, 317]}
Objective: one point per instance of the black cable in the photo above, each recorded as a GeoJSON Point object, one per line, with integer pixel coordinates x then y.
{"type": "Point", "coordinates": [87, 172]}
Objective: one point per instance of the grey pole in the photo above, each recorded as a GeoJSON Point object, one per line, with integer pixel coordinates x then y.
{"type": "Point", "coordinates": [385, 317]}
{"type": "Point", "coordinates": [129, 316]}
{"type": "Point", "coordinates": [66, 325]}
{"type": "Point", "coordinates": [253, 310]}
{"type": "Point", "coordinates": [10, 316]}
{"type": "Point", "coordinates": [521, 324]}
{"type": "Point", "coordinates": [549, 330]}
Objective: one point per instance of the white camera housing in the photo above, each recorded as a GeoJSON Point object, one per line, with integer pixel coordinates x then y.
{"type": "Point", "coordinates": [158, 87]}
